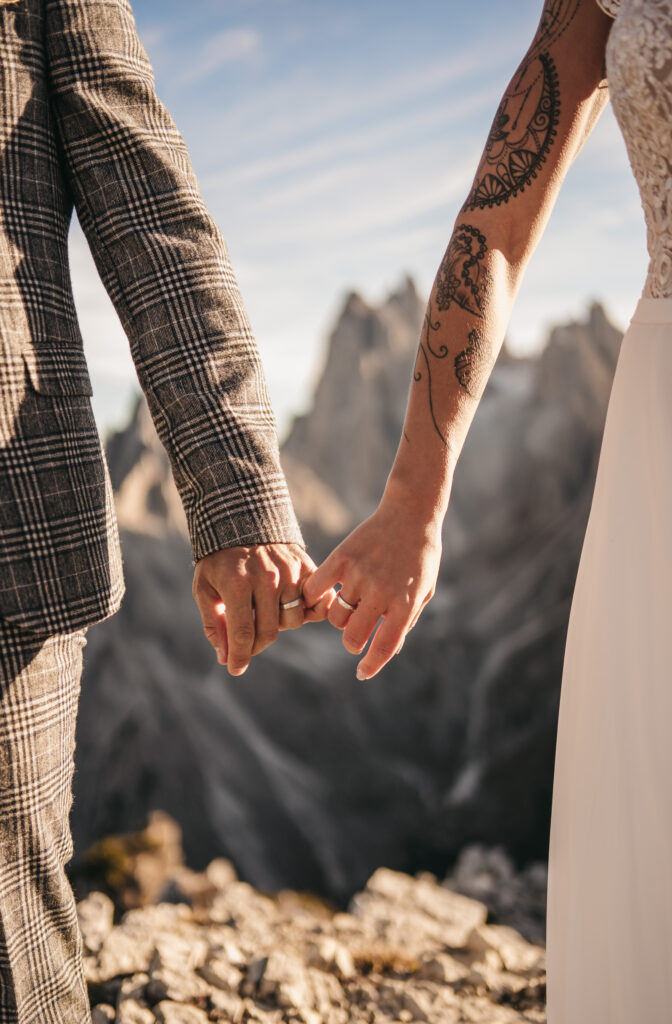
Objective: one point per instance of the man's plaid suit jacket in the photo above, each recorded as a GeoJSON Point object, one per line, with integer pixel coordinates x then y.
{"type": "Point", "coordinates": [80, 122]}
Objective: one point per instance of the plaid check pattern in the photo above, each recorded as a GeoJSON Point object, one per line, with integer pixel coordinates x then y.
{"type": "Point", "coordinates": [80, 123]}
{"type": "Point", "coordinates": [41, 973]}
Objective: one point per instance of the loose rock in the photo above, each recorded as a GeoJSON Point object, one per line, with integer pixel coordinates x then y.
{"type": "Point", "coordinates": [330, 955]}
{"type": "Point", "coordinates": [96, 915]}
{"type": "Point", "coordinates": [410, 950]}
{"type": "Point", "coordinates": [179, 1013]}
{"type": "Point", "coordinates": [132, 1012]}
{"type": "Point", "coordinates": [103, 1014]}
{"type": "Point", "coordinates": [222, 974]}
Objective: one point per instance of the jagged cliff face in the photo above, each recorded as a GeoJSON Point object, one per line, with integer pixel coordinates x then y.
{"type": "Point", "coordinates": [301, 775]}
{"type": "Point", "coordinates": [349, 438]}
{"type": "Point", "coordinates": [145, 496]}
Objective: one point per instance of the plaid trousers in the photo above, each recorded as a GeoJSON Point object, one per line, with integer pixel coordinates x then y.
{"type": "Point", "coordinates": [41, 971]}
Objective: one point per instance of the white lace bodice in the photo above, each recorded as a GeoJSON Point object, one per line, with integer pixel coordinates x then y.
{"type": "Point", "coordinates": [639, 70]}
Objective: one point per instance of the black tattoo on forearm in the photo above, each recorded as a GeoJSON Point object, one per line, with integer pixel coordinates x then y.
{"type": "Point", "coordinates": [426, 353]}
{"type": "Point", "coordinates": [463, 280]}
{"type": "Point", "coordinates": [463, 277]}
{"type": "Point", "coordinates": [471, 364]}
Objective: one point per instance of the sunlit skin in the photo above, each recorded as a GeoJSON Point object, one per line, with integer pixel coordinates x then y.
{"type": "Point", "coordinates": [239, 592]}
{"type": "Point", "coordinates": [389, 565]}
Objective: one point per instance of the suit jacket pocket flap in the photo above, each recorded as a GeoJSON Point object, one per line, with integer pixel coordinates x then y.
{"type": "Point", "coordinates": [58, 370]}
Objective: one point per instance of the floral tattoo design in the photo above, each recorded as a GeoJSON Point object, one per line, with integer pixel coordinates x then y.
{"type": "Point", "coordinates": [463, 277]}
{"type": "Point", "coordinates": [522, 133]}
{"type": "Point", "coordinates": [462, 280]}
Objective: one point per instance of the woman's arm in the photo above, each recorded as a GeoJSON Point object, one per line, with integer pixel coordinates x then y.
{"type": "Point", "coordinates": [388, 566]}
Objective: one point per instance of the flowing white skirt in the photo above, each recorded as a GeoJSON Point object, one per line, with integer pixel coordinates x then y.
{"type": "Point", "coordinates": [609, 923]}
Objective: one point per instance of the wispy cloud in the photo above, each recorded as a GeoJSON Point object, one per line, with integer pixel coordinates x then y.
{"type": "Point", "coordinates": [231, 46]}
{"type": "Point", "coordinates": [388, 130]}
{"type": "Point", "coordinates": [334, 144]}
{"type": "Point", "coordinates": [308, 103]}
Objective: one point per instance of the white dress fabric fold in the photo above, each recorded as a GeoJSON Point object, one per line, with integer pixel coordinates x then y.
{"type": "Point", "coordinates": [609, 935]}
{"type": "Point", "coordinates": [609, 923]}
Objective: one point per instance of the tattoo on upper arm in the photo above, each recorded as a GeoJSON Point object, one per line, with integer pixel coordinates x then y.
{"type": "Point", "coordinates": [525, 125]}
{"type": "Point", "coordinates": [556, 18]}
{"type": "Point", "coordinates": [522, 133]}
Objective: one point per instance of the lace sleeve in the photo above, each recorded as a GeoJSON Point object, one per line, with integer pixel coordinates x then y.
{"type": "Point", "coordinates": [610, 7]}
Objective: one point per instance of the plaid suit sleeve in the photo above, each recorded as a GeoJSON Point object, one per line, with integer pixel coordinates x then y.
{"type": "Point", "coordinates": [166, 268]}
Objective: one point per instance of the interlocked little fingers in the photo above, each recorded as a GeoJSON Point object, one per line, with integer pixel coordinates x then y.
{"type": "Point", "coordinates": [246, 595]}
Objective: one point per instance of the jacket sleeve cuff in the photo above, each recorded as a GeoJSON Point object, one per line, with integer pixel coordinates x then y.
{"type": "Point", "coordinates": [213, 526]}
{"type": "Point", "coordinates": [226, 466]}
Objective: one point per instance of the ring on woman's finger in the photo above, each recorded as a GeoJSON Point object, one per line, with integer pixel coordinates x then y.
{"type": "Point", "coordinates": [345, 604]}
{"type": "Point", "coordinates": [287, 605]}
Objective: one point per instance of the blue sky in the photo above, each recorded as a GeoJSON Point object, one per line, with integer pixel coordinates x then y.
{"type": "Point", "coordinates": [334, 144]}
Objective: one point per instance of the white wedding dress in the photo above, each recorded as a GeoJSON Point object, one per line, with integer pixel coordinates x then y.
{"type": "Point", "coordinates": [609, 935]}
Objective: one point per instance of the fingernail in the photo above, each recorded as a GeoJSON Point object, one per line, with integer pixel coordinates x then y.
{"type": "Point", "coordinates": [361, 675]}
{"type": "Point", "coordinates": [220, 656]}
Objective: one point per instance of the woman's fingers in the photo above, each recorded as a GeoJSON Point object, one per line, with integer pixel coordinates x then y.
{"type": "Point", "coordinates": [360, 626]}
{"type": "Point", "coordinates": [342, 607]}
{"type": "Point", "coordinates": [322, 580]}
{"type": "Point", "coordinates": [320, 611]}
{"type": "Point", "coordinates": [388, 639]}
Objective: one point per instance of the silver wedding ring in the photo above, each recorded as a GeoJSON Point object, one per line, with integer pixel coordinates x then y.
{"type": "Point", "coordinates": [290, 604]}
{"type": "Point", "coordinates": [345, 604]}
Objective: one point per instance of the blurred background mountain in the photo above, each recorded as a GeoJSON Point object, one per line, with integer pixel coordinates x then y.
{"type": "Point", "coordinates": [298, 773]}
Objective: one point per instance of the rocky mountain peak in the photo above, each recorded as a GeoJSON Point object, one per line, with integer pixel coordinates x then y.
{"type": "Point", "coordinates": [354, 305]}
{"type": "Point", "coordinates": [361, 395]}
{"type": "Point", "coordinates": [406, 300]}
{"type": "Point", "coordinates": [146, 499]}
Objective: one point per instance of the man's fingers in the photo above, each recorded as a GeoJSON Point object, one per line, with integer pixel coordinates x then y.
{"type": "Point", "coordinates": [291, 609]}
{"type": "Point", "coordinates": [322, 580]}
{"type": "Point", "coordinates": [213, 614]}
{"type": "Point", "coordinates": [266, 618]}
{"type": "Point", "coordinates": [222, 633]}
{"type": "Point", "coordinates": [240, 624]}
{"type": "Point", "coordinates": [387, 641]}
{"type": "Point", "coordinates": [249, 585]}
{"type": "Point", "coordinates": [360, 626]}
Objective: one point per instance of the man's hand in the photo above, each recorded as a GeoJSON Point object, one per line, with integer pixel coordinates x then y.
{"type": "Point", "coordinates": [240, 593]}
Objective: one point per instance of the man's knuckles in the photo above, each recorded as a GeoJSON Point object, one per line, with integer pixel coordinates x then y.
{"type": "Point", "coordinates": [242, 638]}
{"type": "Point", "coordinates": [265, 637]}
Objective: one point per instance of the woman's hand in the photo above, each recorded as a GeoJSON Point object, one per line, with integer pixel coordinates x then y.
{"type": "Point", "coordinates": [388, 568]}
